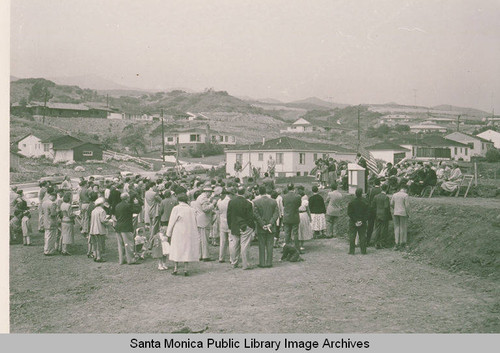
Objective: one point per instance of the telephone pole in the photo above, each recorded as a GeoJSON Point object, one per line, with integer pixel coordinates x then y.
{"type": "Point", "coordinates": [162, 139]}
{"type": "Point", "coordinates": [359, 138]}
{"type": "Point", "coordinates": [44, 107]}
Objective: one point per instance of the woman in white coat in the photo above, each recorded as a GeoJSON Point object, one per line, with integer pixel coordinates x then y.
{"type": "Point", "coordinates": [183, 233]}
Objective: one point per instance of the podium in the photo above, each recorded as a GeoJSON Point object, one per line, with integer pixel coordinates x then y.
{"type": "Point", "coordinates": [356, 177]}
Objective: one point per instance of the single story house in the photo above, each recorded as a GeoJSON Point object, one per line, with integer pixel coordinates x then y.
{"type": "Point", "coordinates": [426, 127]}
{"type": "Point", "coordinates": [478, 145]}
{"type": "Point", "coordinates": [388, 152]}
{"type": "Point", "coordinates": [77, 151]}
{"type": "Point", "coordinates": [293, 157]}
{"type": "Point", "coordinates": [491, 135]}
{"type": "Point", "coordinates": [299, 126]}
{"type": "Point", "coordinates": [431, 147]}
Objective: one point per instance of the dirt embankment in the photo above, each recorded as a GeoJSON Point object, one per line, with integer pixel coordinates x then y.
{"type": "Point", "coordinates": [456, 234]}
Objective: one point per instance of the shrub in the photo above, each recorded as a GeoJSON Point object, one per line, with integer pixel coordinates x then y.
{"type": "Point", "coordinates": [493, 155]}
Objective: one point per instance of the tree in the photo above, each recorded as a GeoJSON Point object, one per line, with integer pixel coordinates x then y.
{"type": "Point", "coordinates": [402, 128]}
{"type": "Point", "coordinates": [134, 138]}
{"type": "Point", "coordinates": [39, 92]}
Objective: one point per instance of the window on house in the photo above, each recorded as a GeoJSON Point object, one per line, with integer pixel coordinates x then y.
{"type": "Point", "coordinates": [194, 138]}
{"type": "Point", "coordinates": [461, 150]}
{"type": "Point", "coordinates": [325, 156]}
{"type": "Point", "coordinates": [298, 173]}
{"type": "Point", "coordinates": [315, 157]}
{"type": "Point", "coordinates": [226, 138]}
{"type": "Point", "coordinates": [87, 153]}
{"type": "Point", "coordinates": [456, 150]}
{"type": "Point", "coordinates": [239, 157]}
{"type": "Point", "coordinates": [46, 147]}
{"type": "Point", "coordinates": [170, 139]}
{"type": "Point", "coordinates": [466, 151]}
{"type": "Point", "coordinates": [302, 158]}
{"type": "Point", "coordinates": [306, 173]}
{"type": "Point", "coordinates": [24, 145]}
{"type": "Point", "coordinates": [279, 158]}
{"type": "Point", "coordinates": [484, 147]}
{"type": "Point", "coordinates": [261, 156]}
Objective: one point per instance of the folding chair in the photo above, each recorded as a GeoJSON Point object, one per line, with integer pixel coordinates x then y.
{"type": "Point", "coordinates": [466, 181]}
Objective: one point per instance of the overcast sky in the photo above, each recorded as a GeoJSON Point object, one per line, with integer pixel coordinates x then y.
{"type": "Point", "coordinates": [445, 52]}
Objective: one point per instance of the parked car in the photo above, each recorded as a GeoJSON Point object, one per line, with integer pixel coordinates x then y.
{"type": "Point", "coordinates": [54, 180]}
{"type": "Point", "coordinates": [31, 197]}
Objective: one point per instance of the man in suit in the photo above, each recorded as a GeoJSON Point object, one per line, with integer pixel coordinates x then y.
{"type": "Point", "coordinates": [382, 207]}
{"type": "Point", "coordinates": [291, 220]}
{"type": "Point", "coordinates": [401, 211]}
{"type": "Point", "coordinates": [357, 210]}
{"type": "Point", "coordinates": [241, 225]}
{"type": "Point", "coordinates": [266, 214]}
{"type": "Point", "coordinates": [374, 191]}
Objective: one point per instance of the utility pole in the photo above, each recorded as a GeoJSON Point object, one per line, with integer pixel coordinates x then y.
{"type": "Point", "coordinates": [458, 123]}
{"type": "Point", "coordinates": [107, 101]}
{"type": "Point", "coordinates": [44, 107]}
{"type": "Point", "coordinates": [162, 139]}
{"type": "Point", "coordinates": [359, 138]}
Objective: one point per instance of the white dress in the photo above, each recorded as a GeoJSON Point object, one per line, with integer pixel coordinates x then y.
{"type": "Point", "coordinates": [185, 240]}
{"type": "Point", "coordinates": [305, 230]}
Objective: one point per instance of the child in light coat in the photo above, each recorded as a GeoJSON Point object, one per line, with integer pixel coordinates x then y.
{"type": "Point", "coordinates": [26, 228]}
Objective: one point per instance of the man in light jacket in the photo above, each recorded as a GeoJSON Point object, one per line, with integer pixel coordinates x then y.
{"type": "Point", "coordinates": [401, 211]}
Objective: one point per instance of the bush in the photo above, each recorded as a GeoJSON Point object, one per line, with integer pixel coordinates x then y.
{"type": "Point", "coordinates": [205, 150]}
{"type": "Point", "coordinates": [493, 155]}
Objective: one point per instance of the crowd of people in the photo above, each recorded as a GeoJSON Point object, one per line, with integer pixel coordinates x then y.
{"type": "Point", "coordinates": [177, 218]}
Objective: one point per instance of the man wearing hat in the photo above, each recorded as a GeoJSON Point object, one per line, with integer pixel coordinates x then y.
{"type": "Point", "coordinates": [204, 207]}
{"type": "Point", "coordinates": [98, 221]}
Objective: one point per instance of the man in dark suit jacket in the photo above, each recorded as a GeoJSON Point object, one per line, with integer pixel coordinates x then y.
{"type": "Point", "coordinates": [241, 225]}
{"type": "Point", "coordinates": [291, 220]}
{"type": "Point", "coordinates": [266, 214]}
{"type": "Point", "coordinates": [358, 211]}
{"type": "Point", "coordinates": [374, 191]}
{"type": "Point", "coordinates": [382, 206]}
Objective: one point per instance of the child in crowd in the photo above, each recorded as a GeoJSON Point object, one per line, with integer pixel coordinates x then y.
{"type": "Point", "coordinates": [159, 250]}
{"type": "Point", "coordinates": [26, 228]}
{"type": "Point", "coordinates": [140, 240]}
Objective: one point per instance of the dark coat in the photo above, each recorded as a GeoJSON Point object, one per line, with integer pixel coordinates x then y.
{"type": "Point", "coordinates": [358, 210]}
{"type": "Point", "coordinates": [291, 204]}
{"type": "Point", "coordinates": [265, 212]}
{"type": "Point", "coordinates": [239, 215]}
{"type": "Point", "coordinates": [317, 204]}
{"type": "Point", "coordinates": [382, 207]}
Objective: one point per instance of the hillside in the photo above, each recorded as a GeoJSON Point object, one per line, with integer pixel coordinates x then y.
{"type": "Point", "coordinates": [314, 103]}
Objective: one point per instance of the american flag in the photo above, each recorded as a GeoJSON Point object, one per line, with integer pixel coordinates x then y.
{"type": "Point", "coordinates": [371, 163]}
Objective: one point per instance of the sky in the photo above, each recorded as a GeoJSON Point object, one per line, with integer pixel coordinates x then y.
{"type": "Point", "coordinates": [365, 51]}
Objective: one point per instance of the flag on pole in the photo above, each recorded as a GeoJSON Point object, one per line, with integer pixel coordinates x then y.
{"type": "Point", "coordinates": [371, 163]}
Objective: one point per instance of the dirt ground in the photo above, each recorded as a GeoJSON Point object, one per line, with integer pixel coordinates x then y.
{"type": "Point", "coordinates": [331, 291]}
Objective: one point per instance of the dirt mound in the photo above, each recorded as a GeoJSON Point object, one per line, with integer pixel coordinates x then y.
{"type": "Point", "coordinates": [457, 235]}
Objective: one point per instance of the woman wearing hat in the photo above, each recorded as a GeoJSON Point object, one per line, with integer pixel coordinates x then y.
{"type": "Point", "coordinates": [98, 221]}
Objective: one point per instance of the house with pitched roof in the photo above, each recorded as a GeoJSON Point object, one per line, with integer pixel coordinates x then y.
{"type": "Point", "coordinates": [434, 147]}
{"type": "Point", "coordinates": [491, 135]}
{"type": "Point", "coordinates": [57, 147]}
{"type": "Point", "coordinates": [478, 145]}
{"type": "Point", "coordinates": [189, 138]}
{"type": "Point", "coordinates": [293, 157]}
{"type": "Point", "coordinates": [389, 152]}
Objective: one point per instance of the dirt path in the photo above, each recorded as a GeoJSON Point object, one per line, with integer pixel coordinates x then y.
{"type": "Point", "coordinates": [329, 292]}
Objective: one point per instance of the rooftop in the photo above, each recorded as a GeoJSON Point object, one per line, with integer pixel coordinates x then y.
{"type": "Point", "coordinates": [430, 141]}
{"type": "Point", "coordinates": [291, 144]}
{"type": "Point", "coordinates": [386, 146]}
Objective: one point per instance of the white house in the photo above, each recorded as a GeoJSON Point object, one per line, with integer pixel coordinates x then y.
{"type": "Point", "coordinates": [393, 119]}
{"type": "Point", "coordinates": [388, 152]}
{"type": "Point", "coordinates": [293, 157]}
{"type": "Point", "coordinates": [427, 126]}
{"type": "Point", "coordinates": [192, 137]}
{"type": "Point", "coordinates": [115, 116]}
{"type": "Point", "coordinates": [478, 145]}
{"type": "Point", "coordinates": [299, 126]}
{"type": "Point", "coordinates": [40, 144]}
{"type": "Point", "coordinates": [491, 135]}
{"type": "Point", "coordinates": [433, 147]}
